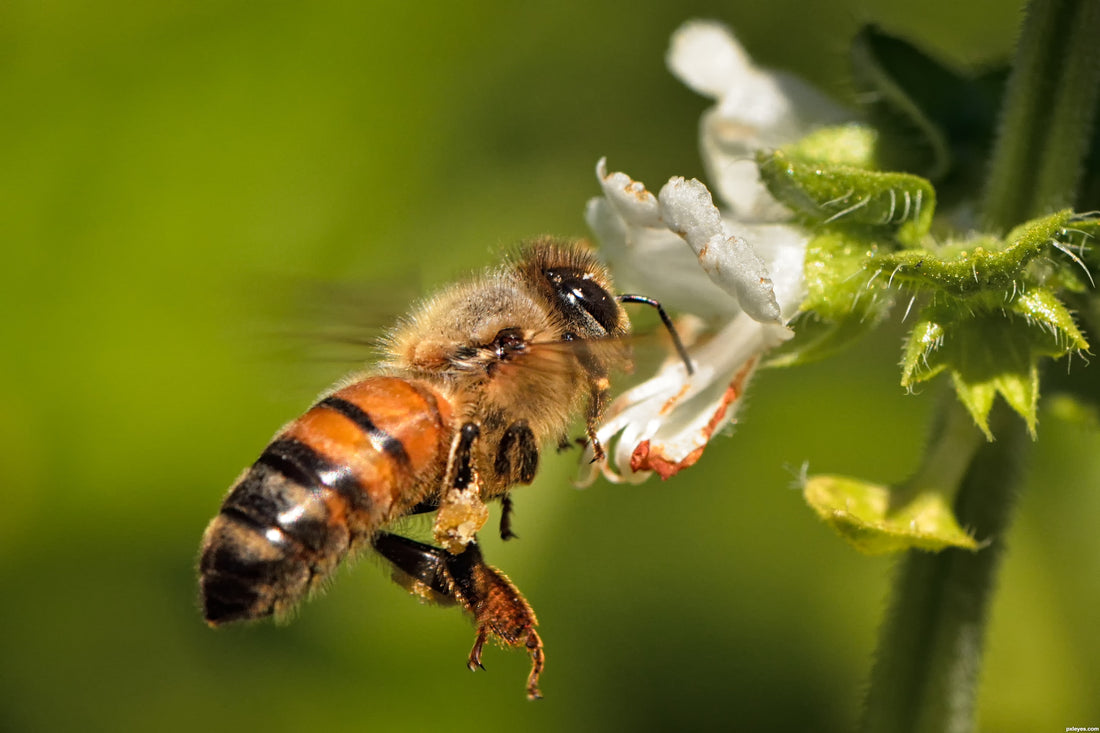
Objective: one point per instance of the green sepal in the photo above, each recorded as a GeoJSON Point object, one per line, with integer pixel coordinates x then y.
{"type": "Point", "coordinates": [836, 286]}
{"type": "Point", "coordinates": [877, 519]}
{"type": "Point", "coordinates": [840, 304]}
{"type": "Point", "coordinates": [1018, 383]}
{"type": "Point", "coordinates": [1041, 309]}
{"type": "Point", "coordinates": [851, 145]}
{"type": "Point", "coordinates": [992, 352]}
{"type": "Point", "coordinates": [897, 204]}
{"type": "Point", "coordinates": [978, 264]}
{"type": "Point", "coordinates": [919, 361]}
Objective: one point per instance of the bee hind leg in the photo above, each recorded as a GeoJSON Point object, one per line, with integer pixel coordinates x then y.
{"type": "Point", "coordinates": [534, 647]}
{"type": "Point", "coordinates": [499, 609]}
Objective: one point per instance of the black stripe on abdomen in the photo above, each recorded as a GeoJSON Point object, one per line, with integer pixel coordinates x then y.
{"type": "Point", "coordinates": [381, 440]}
{"type": "Point", "coordinates": [303, 465]}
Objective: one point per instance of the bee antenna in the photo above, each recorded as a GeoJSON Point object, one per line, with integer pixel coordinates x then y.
{"type": "Point", "coordinates": [668, 324]}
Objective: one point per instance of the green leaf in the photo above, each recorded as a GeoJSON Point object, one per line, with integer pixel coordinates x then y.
{"type": "Point", "coordinates": [933, 120]}
{"type": "Point", "coordinates": [877, 519]}
{"type": "Point", "coordinates": [915, 514]}
{"type": "Point", "coordinates": [898, 204]}
{"type": "Point", "coordinates": [914, 142]}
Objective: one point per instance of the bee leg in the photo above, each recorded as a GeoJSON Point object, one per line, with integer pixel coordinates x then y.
{"type": "Point", "coordinates": [599, 393]}
{"type": "Point", "coordinates": [473, 662]}
{"type": "Point", "coordinates": [462, 513]}
{"type": "Point", "coordinates": [498, 608]}
{"type": "Point", "coordinates": [420, 569]}
{"type": "Point", "coordinates": [516, 462]}
{"type": "Point", "coordinates": [506, 510]}
{"type": "Point", "coordinates": [517, 458]}
{"type": "Point", "coordinates": [538, 660]}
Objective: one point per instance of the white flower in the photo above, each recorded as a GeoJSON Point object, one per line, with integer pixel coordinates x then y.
{"type": "Point", "coordinates": [757, 109]}
{"type": "Point", "coordinates": [741, 267]}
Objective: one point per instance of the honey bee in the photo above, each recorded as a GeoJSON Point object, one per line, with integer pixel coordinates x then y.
{"type": "Point", "coordinates": [473, 382]}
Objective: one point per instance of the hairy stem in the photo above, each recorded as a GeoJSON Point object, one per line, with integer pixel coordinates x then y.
{"type": "Point", "coordinates": [1048, 115]}
{"type": "Point", "coordinates": [925, 676]}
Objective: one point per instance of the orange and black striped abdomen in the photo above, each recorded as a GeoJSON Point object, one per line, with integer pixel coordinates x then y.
{"type": "Point", "coordinates": [356, 460]}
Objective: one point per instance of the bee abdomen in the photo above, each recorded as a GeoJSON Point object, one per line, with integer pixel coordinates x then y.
{"type": "Point", "coordinates": [274, 540]}
{"type": "Point", "coordinates": [335, 475]}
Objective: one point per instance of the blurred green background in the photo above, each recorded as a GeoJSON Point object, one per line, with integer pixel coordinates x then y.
{"type": "Point", "coordinates": [179, 181]}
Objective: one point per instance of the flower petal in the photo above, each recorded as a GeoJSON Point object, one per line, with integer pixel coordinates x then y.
{"type": "Point", "coordinates": [645, 254]}
{"type": "Point", "coordinates": [643, 238]}
{"type": "Point", "coordinates": [629, 198]}
{"type": "Point", "coordinates": [728, 260]}
{"type": "Point", "coordinates": [664, 424]}
{"type": "Point", "coordinates": [705, 56]}
{"type": "Point", "coordinates": [757, 109]}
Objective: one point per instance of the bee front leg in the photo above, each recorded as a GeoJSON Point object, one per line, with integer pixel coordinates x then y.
{"type": "Point", "coordinates": [498, 608]}
{"type": "Point", "coordinates": [462, 513]}
{"type": "Point", "coordinates": [599, 393]}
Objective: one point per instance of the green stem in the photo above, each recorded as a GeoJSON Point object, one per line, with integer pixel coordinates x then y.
{"type": "Point", "coordinates": [947, 458]}
{"type": "Point", "coordinates": [1073, 112]}
{"type": "Point", "coordinates": [929, 655]}
{"type": "Point", "coordinates": [1049, 111]}
{"type": "Point", "coordinates": [925, 676]}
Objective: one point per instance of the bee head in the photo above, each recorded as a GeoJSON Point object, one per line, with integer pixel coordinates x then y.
{"type": "Point", "coordinates": [577, 285]}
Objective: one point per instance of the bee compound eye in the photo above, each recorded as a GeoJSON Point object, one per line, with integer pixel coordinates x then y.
{"type": "Point", "coordinates": [579, 291]}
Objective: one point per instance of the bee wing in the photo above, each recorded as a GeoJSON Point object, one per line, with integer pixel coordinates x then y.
{"type": "Point", "coordinates": [339, 322]}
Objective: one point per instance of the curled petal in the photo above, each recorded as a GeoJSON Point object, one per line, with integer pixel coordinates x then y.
{"type": "Point", "coordinates": [664, 424]}
{"type": "Point", "coordinates": [629, 198]}
{"type": "Point", "coordinates": [643, 238]}
{"type": "Point", "coordinates": [645, 254]}
{"type": "Point", "coordinates": [782, 247]}
{"type": "Point", "coordinates": [727, 259]}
